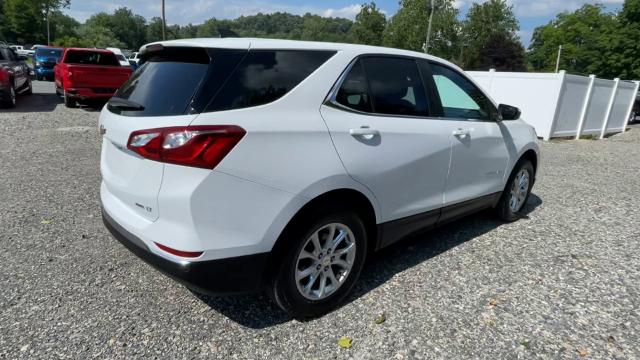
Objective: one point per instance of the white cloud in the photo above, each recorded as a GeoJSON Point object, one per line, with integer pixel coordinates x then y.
{"type": "Point", "coordinates": [537, 8]}
{"type": "Point", "coordinates": [348, 12]}
{"type": "Point", "coordinates": [197, 11]}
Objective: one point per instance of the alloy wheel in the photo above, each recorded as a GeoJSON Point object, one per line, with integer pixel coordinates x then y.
{"type": "Point", "coordinates": [325, 261]}
{"type": "Point", "coordinates": [519, 190]}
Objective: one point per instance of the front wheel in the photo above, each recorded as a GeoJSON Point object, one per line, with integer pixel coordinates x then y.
{"type": "Point", "coordinates": [321, 266]}
{"type": "Point", "coordinates": [10, 97]}
{"type": "Point", "coordinates": [28, 87]}
{"type": "Point", "coordinates": [516, 193]}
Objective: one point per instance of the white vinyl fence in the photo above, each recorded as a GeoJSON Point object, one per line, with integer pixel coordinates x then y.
{"type": "Point", "coordinates": [563, 105]}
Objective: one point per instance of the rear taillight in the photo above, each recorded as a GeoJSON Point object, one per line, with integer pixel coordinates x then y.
{"type": "Point", "coordinates": [197, 146]}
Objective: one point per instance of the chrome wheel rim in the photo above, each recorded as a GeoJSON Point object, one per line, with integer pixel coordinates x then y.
{"type": "Point", "coordinates": [325, 261]}
{"type": "Point", "coordinates": [519, 190]}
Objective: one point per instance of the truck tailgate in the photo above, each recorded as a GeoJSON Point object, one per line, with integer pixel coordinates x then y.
{"type": "Point", "coordinates": [92, 76]}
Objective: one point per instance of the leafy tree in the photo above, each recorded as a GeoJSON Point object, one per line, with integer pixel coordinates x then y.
{"type": "Point", "coordinates": [98, 37]}
{"type": "Point", "coordinates": [407, 29]}
{"type": "Point", "coordinates": [501, 53]}
{"type": "Point", "coordinates": [62, 25]}
{"type": "Point", "coordinates": [209, 29]}
{"type": "Point", "coordinates": [492, 20]}
{"type": "Point", "coordinates": [24, 21]}
{"type": "Point", "coordinates": [130, 29]}
{"type": "Point", "coordinates": [591, 40]}
{"type": "Point", "coordinates": [369, 25]}
{"type": "Point", "coordinates": [318, 28]}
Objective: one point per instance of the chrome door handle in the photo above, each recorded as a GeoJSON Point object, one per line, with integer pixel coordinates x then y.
{"type": "Point", "coordinates": [366, 133]}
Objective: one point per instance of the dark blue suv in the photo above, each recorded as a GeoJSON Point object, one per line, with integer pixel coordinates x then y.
{"type": "Point", "coordinates": [45, 59]}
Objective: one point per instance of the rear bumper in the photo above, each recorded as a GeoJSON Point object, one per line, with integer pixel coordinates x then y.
{"type": "Point", "coordinates": [223, 276]}
{"type": "Point", "coordinates": [88, 93]}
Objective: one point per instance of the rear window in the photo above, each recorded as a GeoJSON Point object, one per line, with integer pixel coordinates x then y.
{"type": "Point", "coordinates": [91, 58]}
{"type": "Point", "coordinates": [48, 52]}
{"type": "Point", "coordinates": [179, 81]}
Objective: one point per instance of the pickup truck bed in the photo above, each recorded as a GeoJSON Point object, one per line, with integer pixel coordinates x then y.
{"type": "Point", "coordinates": [89, 74]}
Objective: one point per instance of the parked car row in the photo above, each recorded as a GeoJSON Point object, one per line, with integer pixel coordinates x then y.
{"type": "Point", "coordinates": [79, 74]}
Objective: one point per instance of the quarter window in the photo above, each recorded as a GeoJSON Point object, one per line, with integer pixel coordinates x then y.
{"type": "Point", "coordinates": [396, 86]}
{"type": "Point", "coordinates": [460, 98]}
{"type": "Point", "coordinates": [354, 91]}
{"type": "Point", "coordinates": [264, 76]}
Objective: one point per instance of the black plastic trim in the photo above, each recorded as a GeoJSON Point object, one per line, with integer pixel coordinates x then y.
{"type": "Point", "coordinates": [234, 275]}
{"type": "Point", "coordinates": [395, 230]}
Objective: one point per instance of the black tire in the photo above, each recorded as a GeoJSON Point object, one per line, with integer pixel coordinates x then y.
{"type": "Point", "coordinates": [504, 211]}
{"type": "Point", "coordinates": [69, 101]}
{"type": "Point", "coordinates": [284, 287]}
{"type": "Point", "coordinates": [28, 89]}
{"type": "Point", "coordinates": [39, 77]}
{"type": "Point", "coordinates": [9, 97]}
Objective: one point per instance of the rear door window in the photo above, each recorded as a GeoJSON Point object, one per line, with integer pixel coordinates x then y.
{"type": "Point", "coordinates": [396, 86]}
{"type": "Point", "coordinates": [264, 76]}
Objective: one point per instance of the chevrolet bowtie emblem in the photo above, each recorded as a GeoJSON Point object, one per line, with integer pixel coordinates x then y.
{"type": "Point", "coordinates": [103, 130]}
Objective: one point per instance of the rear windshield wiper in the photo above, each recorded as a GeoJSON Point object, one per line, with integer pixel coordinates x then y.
{"type": "Point", "coordinates": [125, 104]}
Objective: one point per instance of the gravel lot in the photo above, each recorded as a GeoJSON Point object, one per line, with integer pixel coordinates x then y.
{"type": "Point", "coordinates": [564, 282]}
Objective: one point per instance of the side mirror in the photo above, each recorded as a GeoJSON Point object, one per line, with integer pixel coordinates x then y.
{"type": "Point", "coordinates": [508, 112]}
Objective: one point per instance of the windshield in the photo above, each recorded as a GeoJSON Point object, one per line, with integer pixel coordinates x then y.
{"type": "Point", "coordinates": [121, 58]}
{"type": "Point", "coordinates": [48, 52]}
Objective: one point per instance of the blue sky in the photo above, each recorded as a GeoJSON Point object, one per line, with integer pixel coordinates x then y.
{"type": "Point", "coordinates": [530, 13]}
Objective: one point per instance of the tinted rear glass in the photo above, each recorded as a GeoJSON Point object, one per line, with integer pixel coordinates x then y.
{"type": "Point", "coordinates": [166, 82]}
{"type": "Point", "coordinates": [179, 81]}
{"type": "Point", "coordinates": [91, 58]}
{"type": "Point", "coordinates": [264, 76]}
{"type": "Point", "coordinates": [48, 52]}
{"type": "Point", "coordinates": [396, 86]}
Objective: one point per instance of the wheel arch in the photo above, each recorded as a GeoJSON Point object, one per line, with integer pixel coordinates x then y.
{"type": "Point", "coordinates": [532, 156]}
{"type": "Point", "coordinates": [354, 200]}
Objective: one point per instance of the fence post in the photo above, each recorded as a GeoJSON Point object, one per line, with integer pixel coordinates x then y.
{"type": "Point", "coordinates": [633, 101]}
{"type": "Point", "coordinates": [607, 115]}
{"type": "Point", "coordinates": [585, 106]}
{"type": "Point", "coordinates": [562, 77]}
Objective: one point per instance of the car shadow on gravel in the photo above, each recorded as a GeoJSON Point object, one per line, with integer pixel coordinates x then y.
{"type": "Point", "coordinates": [258, 311]}
{"type": "Point", "coordinates": [34, 103]}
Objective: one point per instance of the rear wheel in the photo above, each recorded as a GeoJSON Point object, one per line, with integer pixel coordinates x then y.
{"type": "Point", "coordinates": [517, 191]}
{"type": "Point", "coordinates": [321, 265]}
{"type": "Point", "coordinates": [69, 101]}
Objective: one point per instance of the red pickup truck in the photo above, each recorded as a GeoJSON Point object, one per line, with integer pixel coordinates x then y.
{"type": "Point", "coordinates": [83, 74]}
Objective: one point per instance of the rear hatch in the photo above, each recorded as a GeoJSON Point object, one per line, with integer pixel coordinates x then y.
{"type": "Point", "coordinates": [170, 89]}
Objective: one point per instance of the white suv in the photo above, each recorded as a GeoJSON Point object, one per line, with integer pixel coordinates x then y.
{"type": "Point", "coordinates": [236, 165]}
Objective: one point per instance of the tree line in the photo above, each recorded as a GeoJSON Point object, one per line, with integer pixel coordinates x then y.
{"type": "Point", "coordinates": [594, 41]}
